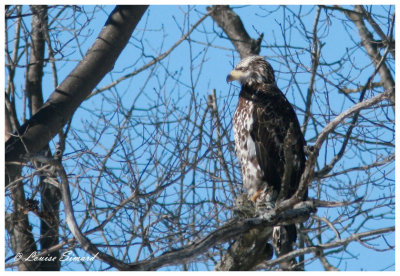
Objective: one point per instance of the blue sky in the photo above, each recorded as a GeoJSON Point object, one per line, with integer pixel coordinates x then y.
{"type": "Point", "coordinates": [162, 24]}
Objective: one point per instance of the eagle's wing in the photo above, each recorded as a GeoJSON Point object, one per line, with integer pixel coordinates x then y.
{"type": "Point", "coordinates": [272, 117]}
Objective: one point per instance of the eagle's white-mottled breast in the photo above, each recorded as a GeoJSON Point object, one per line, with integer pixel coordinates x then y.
{"type": "Point", "coordinates": [245, 146]}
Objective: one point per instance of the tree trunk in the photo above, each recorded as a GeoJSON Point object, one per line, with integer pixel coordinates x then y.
{"type": "Point", "coordinates": [50, 195]}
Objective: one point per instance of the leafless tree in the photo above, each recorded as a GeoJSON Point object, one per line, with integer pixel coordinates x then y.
{"type": "Point", "coordinates": [131, 159]}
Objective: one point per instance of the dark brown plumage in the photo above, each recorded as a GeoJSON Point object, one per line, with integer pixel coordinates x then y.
{"type": "Point", "coordinates": [261, 122]}
{"type": "Point", "coordinates": [272, 115]}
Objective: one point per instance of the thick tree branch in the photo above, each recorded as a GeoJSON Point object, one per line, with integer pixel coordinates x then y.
{"type": "Point", "coordinates": [17, 223]}
{"type": "Point", "coordinates": [69, 213]}
{"type": "Point", "coordinates": [11, 121]}
{"type": "Point", "coordinates": [386, 42]}
{"type": "Point", "coordinates": [231, 229]}
{"type": "Point", "coordinates": [152, 62]}
{"type": "Point", "coordinates": [372, 50]}
{"type": "Point", "coordinates": [50, 196]}
{"type": "Point", "coordinates": [35, 67]}
{"type": "Point", "coordinates": [250, 248]}
{"type": "Point", "coordinates": [20, 231]}
{"type": "Point", "coordinates": [334, 244]}
{"type": "Point", "coordinates": [353, 123]}
{"type": "Point", "coordinates": [73, 225]}
{"type": "Point", "coordinates": [232, 25]}
{"type": "Point", "coordinates": [308, 174]}
{"type": "Point", "coordinates": [67, 97]}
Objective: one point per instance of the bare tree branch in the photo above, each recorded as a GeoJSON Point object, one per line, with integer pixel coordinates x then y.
{"type": "Point", "coordinates": [368, 43]}
{"type": "Point", "coordinates": [377, 233]}
{"type": "Point", "coordinates": [308, 174]}
{"type": "Point", "coordinates": [232, 25]}
{"type": "Point", "coordinates": [99, 60]}
{"type": "Point", "coordinates": [224, 233]}
{"type": "Point", "coordinates": [154, 61]}
{"type": "Point", "coordinates": [148, 170]}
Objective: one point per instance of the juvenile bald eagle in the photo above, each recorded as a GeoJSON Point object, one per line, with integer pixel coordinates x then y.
{"type": "Point", "coordinates": [261, 122]}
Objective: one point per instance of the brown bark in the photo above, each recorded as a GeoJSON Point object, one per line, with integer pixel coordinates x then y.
{"type": "Point", "coordinates": [18, 227]}
{"type": "Point", "coordinates": [11, 122]}
{"type": "Point", "coordinates": [35, 66]}
{"type": "Point", "coordinates": [370, 46]}
{"type": "Point", "coordinates": [50, 195]}
{"type": "Point", "coordinates": [47, 120]}
{"type": "Point", "coordinates": [230, 230]}
{"type": "Point", "coordinates": [67, 97]}
{"type": "Point", "coordinates": [251, 248]}
{"type": "Point", "coordinates": [232, 25]}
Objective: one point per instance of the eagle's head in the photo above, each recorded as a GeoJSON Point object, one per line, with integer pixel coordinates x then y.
{"type": "Point", "coordinates": [252, 70]}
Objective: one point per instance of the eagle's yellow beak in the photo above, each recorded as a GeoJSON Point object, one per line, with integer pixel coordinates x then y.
{"type": "Point", "coordinates": [234, 75]}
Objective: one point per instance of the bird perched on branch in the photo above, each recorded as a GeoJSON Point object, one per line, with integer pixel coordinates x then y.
{"type": "Point", "coordinates": [268, 140]}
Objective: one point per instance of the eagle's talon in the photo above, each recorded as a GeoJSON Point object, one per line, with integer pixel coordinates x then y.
{"type": "Point", "coordinates": [256, 196]}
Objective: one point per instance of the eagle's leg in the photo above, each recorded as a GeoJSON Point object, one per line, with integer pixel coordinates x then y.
{"type": "Point", "coordinates": [264, 200]}
{"type": "Point", "coordinates": [255, 196]}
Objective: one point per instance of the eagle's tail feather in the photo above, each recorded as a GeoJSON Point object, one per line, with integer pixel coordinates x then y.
{"type": "Point", "coordinates": [283, 238]}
